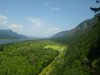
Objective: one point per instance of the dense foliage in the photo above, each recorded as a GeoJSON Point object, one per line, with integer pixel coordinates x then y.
{"type": "Point", "coordinates": [83, 54]}
{"type": "Point", "coordinates": [25, 58]}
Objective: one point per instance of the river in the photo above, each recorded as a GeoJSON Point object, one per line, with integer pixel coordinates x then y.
{"type": "Point", "coordinates": [4, 41]}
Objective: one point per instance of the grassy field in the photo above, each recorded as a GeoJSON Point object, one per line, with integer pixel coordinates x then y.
{"type": "Point", "coordinates": [58, 59]}
{"type": "Point", "coordinates": [54, 47]}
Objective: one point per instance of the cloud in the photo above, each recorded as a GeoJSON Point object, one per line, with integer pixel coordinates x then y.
{"type": "Point", "coordinates": [3, 20]}
{"type": "Point", "coordinates": [55, 8]}
{"type": "Point", "coordinates": [46, 17]}
{"type": "Point", "coordinates": [3, 17]}
{"type": "Point", "coordinates": [16, 27]}
{"type": "Point", "coordinates": [54, 30]}
{"type": "Point", "coordinates": [36, 22]}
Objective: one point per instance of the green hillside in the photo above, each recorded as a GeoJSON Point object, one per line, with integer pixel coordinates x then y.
{"type": "Point", "coordinates": [83, 54]}
{"type": "Point", "coordinates": [87, 24]}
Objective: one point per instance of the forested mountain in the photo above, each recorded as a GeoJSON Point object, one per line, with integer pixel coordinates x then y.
{"type": "Point", "coordinates": [83, 54]}
{"type": "Point", "coordinates": [87, 24]}
{"type": "Point", "coordinates": [9, 34]}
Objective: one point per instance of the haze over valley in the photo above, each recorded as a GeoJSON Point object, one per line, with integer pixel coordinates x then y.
{"type": "Point", "coordinates": [44, 18]}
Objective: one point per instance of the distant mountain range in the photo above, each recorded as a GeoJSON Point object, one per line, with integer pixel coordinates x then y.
{"type": "Point", "coordinates": [9, 34]}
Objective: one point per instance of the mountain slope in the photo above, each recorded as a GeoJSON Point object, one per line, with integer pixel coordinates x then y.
{"type": "Point", "coordinates": [83, 54]}
{"type": "Point", "coordinates": [87, 24]}
{"type": "Point", "coordinates": [9, 34]}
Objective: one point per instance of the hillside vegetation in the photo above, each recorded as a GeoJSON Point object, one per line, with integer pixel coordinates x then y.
{"type": "Point", "coordinates": [83, 54]}
{"type": "Point", "coordinates": [59, 59]}
{"type": "Point", "coordinates": [27, 58]}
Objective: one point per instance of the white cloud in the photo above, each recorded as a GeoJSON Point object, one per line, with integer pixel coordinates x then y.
{"type": "Point", "coordinates": [16, 27]}
{"type": "Point", "coordinates": [3, 17]}
{"type": "Point", "coordinates": [3, 20]}
{"type": "Point", "coordinates": [55, 8]}
{"type": "Point", "coordinates": [36, 22]}
{"type": "Point", "coordinates": [46, 17]}
{"type": "Point", "coordinates": [53, 30]}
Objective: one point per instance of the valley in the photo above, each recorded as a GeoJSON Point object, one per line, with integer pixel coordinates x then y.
{"type": "Point", "coordinates": [75, 53]}
{"type": "Point", "coordinates": [5, 41]}
{"type": "Point", "coordinates": [49, 37]}
{"type": "Point", "coordinates": [29, 57]}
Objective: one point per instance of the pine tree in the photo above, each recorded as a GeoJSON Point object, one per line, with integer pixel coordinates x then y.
{"type": "Point", "coordinates": [97, 9]}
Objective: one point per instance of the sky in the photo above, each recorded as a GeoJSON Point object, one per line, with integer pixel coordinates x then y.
{"type": "Point", "coordinates": [43, 18]}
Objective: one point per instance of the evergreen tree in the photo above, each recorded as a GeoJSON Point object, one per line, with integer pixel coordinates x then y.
{"type": "Point", "coordinates": [97, 1]}
{"type": "Point", "coordinates": [97, 9]}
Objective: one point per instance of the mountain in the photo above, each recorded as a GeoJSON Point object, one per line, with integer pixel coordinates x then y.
{"type": "Point", "coordinates": [9, 34]}
{"type": "Point", "coordinates": [83, 54]}
{"type": "Point", "coordinates": [87, 24]}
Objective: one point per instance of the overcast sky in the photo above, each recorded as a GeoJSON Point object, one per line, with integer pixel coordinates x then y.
{"type": "Point", "coordinates": [42, 18]}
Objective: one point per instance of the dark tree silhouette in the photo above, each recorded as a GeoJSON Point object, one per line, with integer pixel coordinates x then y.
{"type": "Point", "coordinates": [97, 1]}
{"type": "Point", "coordinates": [95, 9]}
